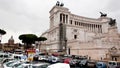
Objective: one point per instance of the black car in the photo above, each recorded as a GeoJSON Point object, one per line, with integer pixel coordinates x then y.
{"type": "Point", "coordinates": [91, 64]}
{"type": "Point", "coordinates": [35, 58]}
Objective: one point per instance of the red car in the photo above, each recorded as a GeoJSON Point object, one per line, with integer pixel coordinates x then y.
{"type": "Point", "coordinates": [67, 60]}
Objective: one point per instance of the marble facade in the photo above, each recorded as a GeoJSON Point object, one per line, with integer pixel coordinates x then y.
{"type": "Point", "coordinates": [80, 35]}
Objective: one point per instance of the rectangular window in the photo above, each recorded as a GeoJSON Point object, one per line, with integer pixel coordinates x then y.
{"type": "Point", "coordinates": [70, 21]}
{"type": "Point", "coordinates": [61, 18]}
{"type": "Point", "coordinates": [75, 36]}
{"type": "Point", "coordinates": [75, 23]}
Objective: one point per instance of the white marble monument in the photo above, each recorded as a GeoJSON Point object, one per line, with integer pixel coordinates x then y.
{"type": "Point", "coordinates": [80, 35]}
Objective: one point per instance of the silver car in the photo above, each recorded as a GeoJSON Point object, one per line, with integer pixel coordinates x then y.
{"type": "Point", "coordinates": [113, 64]}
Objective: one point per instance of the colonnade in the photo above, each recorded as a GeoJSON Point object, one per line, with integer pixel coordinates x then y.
{"type": "Point", "coordinates": [90, 27]}
{"type": "Point", "coordinates": [63, 18]}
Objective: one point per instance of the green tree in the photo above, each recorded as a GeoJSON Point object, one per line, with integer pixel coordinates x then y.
{"type": "Point", "coordinates": [28, 39]}
{"type": "Point", "coordinates": [39, 39]}
{"type": "Point", "coordinates": [2, 32]}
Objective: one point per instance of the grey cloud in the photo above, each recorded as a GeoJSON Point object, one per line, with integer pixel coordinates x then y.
{"type": "Point", "coordinates": [16, 7]}
{"type": "Point", "coordinates": [114, 5]}
{"type": "Point", "coordinates": [6, 4]}
{"type": "Point", "coordinates": [33, 15]}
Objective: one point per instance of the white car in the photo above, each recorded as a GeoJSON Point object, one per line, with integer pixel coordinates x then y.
{"type": "Point", "coordinates": [40, 65]}
{"type": "Point", "coordinates": [2, 61]}
{"type": "Point", "coordinates": [17, 56]}
{"type": "Point", "coordinates": [42, 57]}
{"type": "Point", "coordinates": [113, 64]}
{"type": "Point", "coordinates": [18, 65]}
{"type": "Point", "coordinates": [11, 64]}
{"type": "Point", "coordinates": [4, 55]}
{"type": "Point", "coordinates": [7, 63]}
{"type": "Point", "coordinates": [23, 65]}
{"type": "Point", "coordinates": [33, 65]}
{"type": "Point", "coordinates": [59, 65]}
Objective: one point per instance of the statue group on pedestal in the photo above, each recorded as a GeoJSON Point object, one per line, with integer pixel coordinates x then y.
{"type": "Point", "coordinates": [58, 4]}
{"type": "Point", "coordinates": [112, 21]}
{"type": "Point", "coordinates": [103, 14]}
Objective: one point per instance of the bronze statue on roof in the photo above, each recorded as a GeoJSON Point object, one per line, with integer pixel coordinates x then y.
{"type": "Point", "coordinates": [103, 14]}
{"type": "Point", "coordinates": [59, 4]}
{"type": "Point", "coordinates": [112, 22]}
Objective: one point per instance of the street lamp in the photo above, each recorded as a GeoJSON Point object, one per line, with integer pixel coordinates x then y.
{"type": "Point", "coordinates": [48, 49]}
{"type": "Point", "coordinates": [36, 42]}
{"type": "Point", "coordinates": [65, 46]}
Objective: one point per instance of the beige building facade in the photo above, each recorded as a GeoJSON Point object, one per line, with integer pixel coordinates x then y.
{"type": "Point", "coordinates": [80, 35]}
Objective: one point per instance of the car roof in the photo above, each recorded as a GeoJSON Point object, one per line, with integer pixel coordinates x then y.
{"type": "Point", "coordinates": [59, 65]}
{"type": "Point", "coordinates": [101, 62]}
{"type": "Point", "coordinates": [113, 61]}
{"type": "Point", "coordinates": [39, 64]}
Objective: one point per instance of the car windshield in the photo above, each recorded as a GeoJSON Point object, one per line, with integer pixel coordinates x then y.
{"type": "Point", "coordinates": [1, 59]}
{"type": "Point", "coordinates": [20, 66]}
{"type": "Point", "coordinates": [112, 63]}
{"type": "Point", "coordinates": [84, 61]}
{"type": "Point", "coordinates": [99, 64]}
{"type": "Point", "coordinates": [6, 56]}
{"type": "Point", "coordinates": [23, 66]}
{"type": "Point", "coordinates": [6, 60]}
{"type": "Point", "coordinates": [41, 66]}
{"type": "Point", "coordinates": [17, 57]}
{"type": "Point", "coordinates": [1, 56]}
{"type": "Point", "coordinates": [16, 65]}
{"type": "Point", "coordinates": [9, 64]}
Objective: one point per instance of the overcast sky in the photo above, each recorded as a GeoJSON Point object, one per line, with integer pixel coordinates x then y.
{"type": "Point", "coordinates": [32, 16]}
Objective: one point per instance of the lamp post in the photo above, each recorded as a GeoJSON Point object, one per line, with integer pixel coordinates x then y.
{"type": "Point", "coordinates": [65, 46]}
{"type": "Point", "coordinates": [68, 50]}
{"type": "Point", "coordinates": [36, 42]}
{"type": "Point", "coordinates": [85, 35]}
{"type": "Point", "coordinates": [37, 45]}
{"type": "Point", "coordinates": [48, 49]}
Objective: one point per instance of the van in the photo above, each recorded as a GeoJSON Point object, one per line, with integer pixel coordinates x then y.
{"type": "Point", "coordinates": [113, 64]}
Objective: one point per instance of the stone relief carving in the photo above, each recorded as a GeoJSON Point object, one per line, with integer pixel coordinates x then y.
{"type": "Point", "coordinates": [113, 50]}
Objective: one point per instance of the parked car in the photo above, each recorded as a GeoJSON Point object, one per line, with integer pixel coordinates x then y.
{"type": "Point", "coordinates": [35, 58]}
{"type": "Point", "coordinates": [2, 61]}
{"type": "Point", "coordinates": [113, 64]}
{"type": "Point", "coordinates": [17, 56]}
{"type": "Point", "coordinates": [101, 65]}
{"type": "Point", "coordinates": [59, 65]}
{"type": "Point", "coordinates": [67, 60]}
{"type": "Point", "coordinates": [73, 62]}
{"type": "Point", "coordinates": [83, 63]}
{"type": "Point", "coordinates": [40, 65]}
{"type": "Point", "coordinates": [32, 65]}
{"type": "Point", "coordinates": [42, 58]}
{"type": "Point", "coordinates": [53, 59]}
{"type": "Point", "coordinates": [24, 65]}
{"type": "Point", "coordinates": [4, 55]}
{"type": "Point", "coordinates": [19, 65]}
{"type": "Point", "coordinates": [7, 64]}
{"type": "Point", "coordinates": [91, 64]}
